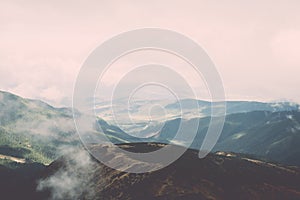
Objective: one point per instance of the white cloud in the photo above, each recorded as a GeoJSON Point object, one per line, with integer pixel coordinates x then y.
{"type": "Point", "coordinates": [73, 179]}
{"type": "Point", "coordinates": [254, 44]}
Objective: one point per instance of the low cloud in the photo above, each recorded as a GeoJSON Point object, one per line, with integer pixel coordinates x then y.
{"type": "Point", "coordinates": [74, 179]}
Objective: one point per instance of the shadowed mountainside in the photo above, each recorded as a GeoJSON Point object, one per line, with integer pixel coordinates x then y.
{"type": "Point", "coordinates": [217, 176]}
{"type": "Point", "coordinates": [271, 135]}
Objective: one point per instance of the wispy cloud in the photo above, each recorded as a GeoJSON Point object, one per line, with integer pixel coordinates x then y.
{"type": "Point", "coordinates": [74, 178]}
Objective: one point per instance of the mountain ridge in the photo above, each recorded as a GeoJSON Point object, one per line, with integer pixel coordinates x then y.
{"type": "Point", "coordinates": [217, 176]}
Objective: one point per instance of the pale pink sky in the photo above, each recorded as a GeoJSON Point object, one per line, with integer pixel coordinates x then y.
{"type": "Point", "coordinates": [254, 44]}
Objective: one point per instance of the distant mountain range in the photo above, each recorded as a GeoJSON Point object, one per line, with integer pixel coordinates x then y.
{"type": "Point", "coordinates": [33, 131]}
{"type": "Point", "coordinates": [248, 162]}
{"type": "Point", "coordinates": [234, 106]}
{"type": "Point", "coordinates": [148, 121]}
{"type": "Point", "coordinates": [273, 136]}
{"type": "Point", "coordinates": [268, 135]}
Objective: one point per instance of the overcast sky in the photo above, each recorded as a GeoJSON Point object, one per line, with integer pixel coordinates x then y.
{"type": "Point", "coordinates": [254, 44]}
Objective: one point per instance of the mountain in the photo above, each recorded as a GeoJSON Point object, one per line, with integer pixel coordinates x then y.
{"type": "Point", "coordinates": [33, 134]}
{"type": "Point", "coordinates": [21, 182]}
{"type": "Point", "coordinates": [32, 130]}
{"type": "Point", "coordinates": [275, 137]}
{"type": "Point", "coordinates": [114, 133]}
{"type": "Point", "coordinates": [217, 176]}
{"type": "Point", "coordinates": [141, 111]}
{"type": "Point", "coordinates": [271, 135]}
{"type": "Point", "coordinates": [233, 106]}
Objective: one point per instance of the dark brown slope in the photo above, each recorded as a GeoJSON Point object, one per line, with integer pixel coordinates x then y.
{"type": "Point", "coordinates": [20, 183]}
{"type": "Point", "coordinates": [218, 176]}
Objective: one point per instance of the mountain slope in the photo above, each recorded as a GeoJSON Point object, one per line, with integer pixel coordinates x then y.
{"type": "Point", "coordinates": [271, 135]}
{"type": "Point", "coordinates": [34, 131]}
{"type": "Point", "coordinates": [21, 182]}
{"type": "Point", "coordinates": [140, 111]}
{"type": "Point", "coordinates": [218, 176]}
